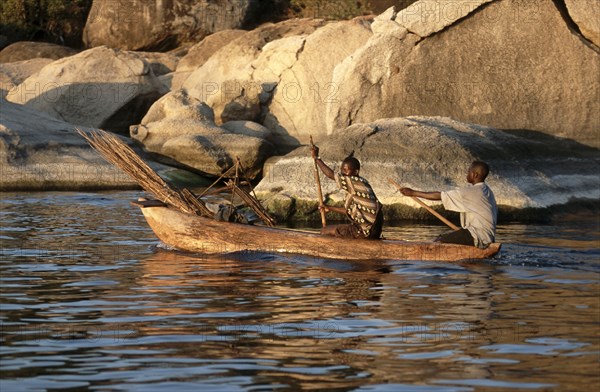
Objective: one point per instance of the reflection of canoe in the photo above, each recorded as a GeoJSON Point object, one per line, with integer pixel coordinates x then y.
{"type": "Point", "coordinates": [197, 234]}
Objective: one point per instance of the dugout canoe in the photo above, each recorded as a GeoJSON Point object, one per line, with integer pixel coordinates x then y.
{"type": "Point", "coordinates": [193, 233]}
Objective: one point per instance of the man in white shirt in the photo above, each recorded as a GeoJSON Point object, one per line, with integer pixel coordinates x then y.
{"type": "Point", "coordinates": [476, 204]}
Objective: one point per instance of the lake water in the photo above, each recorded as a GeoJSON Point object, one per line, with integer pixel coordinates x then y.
{"type": "Point", "coordinates": [91, 301]}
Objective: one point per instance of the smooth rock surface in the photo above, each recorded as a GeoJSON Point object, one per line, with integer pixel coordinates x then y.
{"type": "Point", "coordinates": [586, 15]}
{"type": "Point", "coordinates": [198, 54]}
{"type": "Point", "coordinates": [433, 153]}
{"type": "Point", "coordinates": [426, 17]}
{"type": "Point", "coordinates": [13, 74]}
{"type": "Point", "coordinates": [27, 50]}
{"type": "Point", "coordinates": [160, 63]}
{"type": "Point", "coordinates": [303, 81]}
{"type": "Point", "coordinates": [224, 82]}
{"type": "Point", "coordinates": [101, 88]}
{"type": "Point", "coordinates": [39, 152]}
{"type": "Point", "coordinates": [509, 65]}
{"type": "Point", "coordinates": [160, 25]}
{"type": "Point", "coordinates": [181, 131]}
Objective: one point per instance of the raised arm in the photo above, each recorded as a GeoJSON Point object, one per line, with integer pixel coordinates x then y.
{"type": "Point", "coordinates": [324, 168]}
{"type": "Point", "coordinates": [424, 195]}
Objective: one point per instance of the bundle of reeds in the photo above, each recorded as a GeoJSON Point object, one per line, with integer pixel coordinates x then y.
{"type": "Point", "coordinates": [122, 156]}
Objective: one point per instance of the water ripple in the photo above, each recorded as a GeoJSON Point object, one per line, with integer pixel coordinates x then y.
{"type": "Point", "coordinates": [91, 300]}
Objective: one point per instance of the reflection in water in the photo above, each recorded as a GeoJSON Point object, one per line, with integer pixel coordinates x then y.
{"type": "Point", "coordinates": [89, 301]}
{"type": "Point", "coordinates": [267, 310]}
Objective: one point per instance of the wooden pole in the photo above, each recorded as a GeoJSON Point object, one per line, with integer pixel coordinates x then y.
{"type": "Point", "coordinates": [319, 191]}
{"type": "Point", "coordinates": [446, 221]}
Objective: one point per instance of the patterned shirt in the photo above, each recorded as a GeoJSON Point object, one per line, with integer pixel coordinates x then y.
{"type": "Point", "coordinates": [361, 203]}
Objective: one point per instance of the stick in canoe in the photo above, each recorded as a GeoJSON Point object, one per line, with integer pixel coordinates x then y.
{"type": "Point", "coordinates": [319, 191]}
{"type": "Point", "coordinates": [446, 221]}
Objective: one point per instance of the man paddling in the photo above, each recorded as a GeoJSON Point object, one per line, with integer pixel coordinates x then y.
{"type": "Point", "coordinates": [476, 204]}
{"type": "Point", "coordinates": [361, 206]}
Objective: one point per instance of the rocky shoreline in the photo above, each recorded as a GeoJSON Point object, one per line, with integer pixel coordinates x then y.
{"type": "Point", "coordinates": [529, 171]}
{"type": "Point", "coordinates": [415, 94]}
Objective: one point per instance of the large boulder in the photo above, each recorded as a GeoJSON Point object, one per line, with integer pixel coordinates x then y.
{"type": "Point", "coordinates": [528, 169]}
{"type": "Point", "coordinates": [27, 50]}
{"type": "Point", "coordinates": [101, 88]}
{"type": "Point", "coordinates": [39, 152]}
{"type": "Point", "coordinates": [180, 130]}
{"type": "Point", "coordinates": [302, 73]}
{"type": "Point", "coordinates": [426, 17]}
{"type": "Point", "coordinates": [160, 63]}
{"type": "Point", "coordinates": [198, 54]}
{"type": "Point", "coordinates": [506, 64]}
{"type": "Point", "coordinates": [224, 81]}
{"type": "Point", "coordinates": [158, 25]}
{"type": "Point", "coordinates": [13, 74]}
{"type": "Point", "coordinates": [586, 15]}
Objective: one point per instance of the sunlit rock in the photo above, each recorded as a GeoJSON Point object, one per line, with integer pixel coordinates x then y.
{"type": "Point", "coordinates": [528, 169]}
{"type": "Point", "coordinates": [101, 87]}
{"type": "Point", "coordinates": [506, 64]}
{"type": "Point", "coordinates": [180, 130]}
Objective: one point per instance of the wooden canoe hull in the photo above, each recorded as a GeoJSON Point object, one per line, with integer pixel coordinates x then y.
{"type": "Point", "coordinates": [197, 234]}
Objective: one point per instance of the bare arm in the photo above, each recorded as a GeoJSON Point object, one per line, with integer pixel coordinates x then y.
{"type": "Point", "coordinates": [324, 168]}
{"type": "Point", "coordinates": [424, 195]}
{"type": "Point", "coordinates": [339, 210]}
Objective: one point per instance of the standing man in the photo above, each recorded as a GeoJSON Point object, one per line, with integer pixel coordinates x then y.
{"type": "Point", "coordinates": [476, 204]}
{"type": "Point", "coordinates": [361, 206]}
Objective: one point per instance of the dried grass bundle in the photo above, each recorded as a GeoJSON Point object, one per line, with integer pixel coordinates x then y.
{"type": "Point", "coordinates": [122, 156]}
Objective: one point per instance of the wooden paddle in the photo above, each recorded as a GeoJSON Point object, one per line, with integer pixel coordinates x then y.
{"type": "Point", "coordinates": [319, 191]}
{"type": "Point", "coordinates": [446, 221]}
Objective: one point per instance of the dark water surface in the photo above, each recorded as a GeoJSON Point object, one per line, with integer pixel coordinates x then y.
{"type": "Point", "coordinates": [90, 302]}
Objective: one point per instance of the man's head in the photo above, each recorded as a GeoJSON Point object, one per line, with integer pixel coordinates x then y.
{"type": "Point", "coordinates": [350, 166]}
{"type": "Point", "coordinates": [478, 172]}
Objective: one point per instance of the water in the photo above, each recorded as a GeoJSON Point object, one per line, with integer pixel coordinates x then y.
{"type": "Point", "coordinates": [90, 301]}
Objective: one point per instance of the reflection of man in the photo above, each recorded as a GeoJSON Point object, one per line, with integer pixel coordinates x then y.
{"type": "Point", "coordinates": [476, 204]}
{"type": "Point", "coordinates": [361, 207]}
